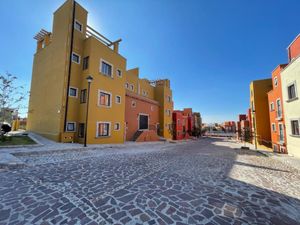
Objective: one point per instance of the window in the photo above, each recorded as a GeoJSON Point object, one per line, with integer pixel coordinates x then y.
{"type": "Point", "coordinates": [143, 122]}
{"type": "Point", "coordinates": [81, 130]}
{"type": "Point", "coordinates": [295, 127]}
{"type": "Point", "coordinates": [272, 106]}
{"type": "Point", "coordinates": [73, 92]}
{"type": "Point", "coordinates": [168, 111]}
{"type": "Point", "coordinates": [152, 108]}
{"type": "Point", "coordinates": [71, 126]}
{"type": "Point", "coordinates": [291, 91]}
{"type": "Point", "coordinates": [75, 58]}
{"type": "Point", "coordinates": [126, 85]}
{"type": "Point", "coordinates": [144, 93]}
{"type": "Point", "coordinates": [279, 112]}
{"type": "Point", "coordinates": [275, 81]}
{"type": "Point", "coordinates": [273, 127]}
{"type": "Point", "coordinates": [117, 126]}
{"type": "Point", "coordinates": [118, 99]}
{"type": "Point", "coordinates": [103, 129]}
{"type": "Point", "coordinates": [131, 87]}
{"type": "Point", "coordinates": [83, 96]}
{"type": "Point", "coordinates": [85, 63]}
{"type": "Point", "coordinates": [133, 104]}
{"type": "Point", "coordinates": [78, 26]}
{"type": "Point", "coordinates": [119, 73]}
{"type": "Point", "coordinates": [106, 68]}
{"type": "Point", "coordinates": [104, 98]}
{"type": "Point", "coordinates": [169, 99]}
{"type": "Point", "coordinates": [281, 133]}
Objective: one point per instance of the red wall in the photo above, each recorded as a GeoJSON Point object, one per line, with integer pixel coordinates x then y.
{"type": "Point", "coordinates": [273, 95]}
{"type": "Point", "coordinates": [132, 114]}
{"type": "Point", "coordinates": [294, 48]}
{"type": "Point", "coordinates": [180, 121]}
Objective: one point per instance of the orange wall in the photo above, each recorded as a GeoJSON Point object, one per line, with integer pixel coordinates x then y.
{"type": "Point", "coordinates": [294, 48]}
{"type": "Point", "coordinates": [273, 95]}
{"type": "Point", "coordinates": [132, 114]}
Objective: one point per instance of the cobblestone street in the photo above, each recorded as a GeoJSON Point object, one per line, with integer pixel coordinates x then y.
{"type": "Point", "coordinates": [198, 182]}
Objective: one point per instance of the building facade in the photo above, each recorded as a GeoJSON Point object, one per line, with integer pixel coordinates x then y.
{"type": "Point", "coordinates": [290, 78]}
{"type": "Point", "coordinates": [276, 112]}
{"type": "Point", "coordinates": [148, 108]}
{"type": "Point", "coordinates": [260, 111]}
{"type": "Point", "coordinates": [63, 60]}
{"type": "Point", "coordinates": [186, 124]}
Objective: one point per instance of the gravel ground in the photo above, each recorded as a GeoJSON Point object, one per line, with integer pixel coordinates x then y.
{"type": "Point", "coordinates": [199, 182]}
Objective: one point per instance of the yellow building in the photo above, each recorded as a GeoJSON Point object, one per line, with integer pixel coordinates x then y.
{"type": "Point", "coordinates": [260, 111]}
{"type": "Point", "coordinates": [63, 60]}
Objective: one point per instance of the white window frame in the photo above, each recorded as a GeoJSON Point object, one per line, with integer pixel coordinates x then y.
{"type": "Point", "coordinates": [272, 107]}
{"type": "Point", "coordinates": [278, 99]}
{"type": "Point", "coordinates": [76, 21]}
{"type": "Point", "coordinates": [110, 99]}
{"type": "Point", "coordinates": [282, 130]}
{"type": "Point", "coordinates": [273, 125]}
{"type": "Point", "coordinates": [275, 81]}
{"type": "Point", "coordinates": [295, 135]}
{"type": "Point", "coordinates": [116, 97]}
{"type": "Point", "coordinates": [127, 85]}
{"type": "Point", "coordinates": [109, 130]}
{"type": "Point", "coordinates": [296, 93]}
{"type": "Point", "coordinates": [143, 114]}
{"type": "Point", "coordinates": [112, 68]}
{"type": "Point", "coordinates": [69, 122]}
{"type": "Point", "coordinates": [120, 72]}
{"type": "Point", "coordinates": [169, 98]}
{"type": "Point", "coordinates": [79, 58]}
{"type": "Point", "coordinates": [70, 87]}
{"type": "Point", "coordinates": [115, 126]}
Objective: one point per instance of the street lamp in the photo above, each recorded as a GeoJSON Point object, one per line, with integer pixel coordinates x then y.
{"type": "Point", "coordinates": [89, 80]}
{"type": "Point", "coordinates": [254, 126]}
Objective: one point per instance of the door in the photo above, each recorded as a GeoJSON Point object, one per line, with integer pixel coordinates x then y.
{"type": "Point", "coordinates": [143, 122]}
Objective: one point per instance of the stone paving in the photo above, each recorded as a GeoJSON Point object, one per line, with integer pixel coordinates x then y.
{"type": "Point", "coordinates": [199, 182]}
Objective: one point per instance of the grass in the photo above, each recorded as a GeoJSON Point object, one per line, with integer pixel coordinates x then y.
{"type": "Point", "coordinates": [17, 140]}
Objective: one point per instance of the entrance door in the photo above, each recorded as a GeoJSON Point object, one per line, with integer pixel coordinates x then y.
{"type": "Point", "coordinates": [143, 122]}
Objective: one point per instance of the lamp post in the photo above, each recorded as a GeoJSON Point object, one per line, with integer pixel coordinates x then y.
{"type": "Point", "coordinates": [254, 126]}
{"type": "Point", "coordinates": [89, 80]}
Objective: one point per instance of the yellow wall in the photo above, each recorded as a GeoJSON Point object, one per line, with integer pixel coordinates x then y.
{"type": "Point", "coordinates": [291, 108]}
{"type": "Point", "coordinates": [46, 109]}
{"type": "Point", "coordinates": [261, 121]}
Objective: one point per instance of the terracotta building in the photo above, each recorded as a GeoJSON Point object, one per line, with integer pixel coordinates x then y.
{"type": "Point", "coordinates": [186, 124]}
{"type": "Point", "coordinates": [148, 108]}
{"type": "Point", "coordinates": [276, 112]}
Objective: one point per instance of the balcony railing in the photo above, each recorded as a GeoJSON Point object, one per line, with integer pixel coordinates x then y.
{"type": "Point", "coordinates": [91, 32]}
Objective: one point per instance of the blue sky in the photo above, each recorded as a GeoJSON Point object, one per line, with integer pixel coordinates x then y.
{"type": "Point", "coordinates": [210, 50]}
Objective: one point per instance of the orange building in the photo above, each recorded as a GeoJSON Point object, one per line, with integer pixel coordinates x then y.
{"type": "Point", "coordinates": [148, 108]}
{"type": "Point", "coordinates": [276, 112]}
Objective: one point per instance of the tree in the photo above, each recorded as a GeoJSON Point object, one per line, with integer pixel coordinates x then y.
{"type": "Point", "coordinates": [11, 97]}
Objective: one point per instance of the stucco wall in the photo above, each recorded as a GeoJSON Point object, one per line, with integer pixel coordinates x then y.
{"type": "Point", "coordinates": [292, 109]}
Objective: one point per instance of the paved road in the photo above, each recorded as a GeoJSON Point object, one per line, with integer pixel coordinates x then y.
{"type": "Point", "coordinates": [200, 182]}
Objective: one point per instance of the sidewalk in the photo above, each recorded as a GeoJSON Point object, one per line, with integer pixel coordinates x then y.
{"type": "Point", "coordinates": [284, 158]}
{"type": "Point", "coordinates": [9, 159]}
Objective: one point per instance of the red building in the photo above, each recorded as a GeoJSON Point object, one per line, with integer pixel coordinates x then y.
{"type": "Point", "coordinates": [229, 126]}
{"type": "Point", "coordinates": [183, 123]}
{"type": "Point", "coordinates": [276, 112]}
